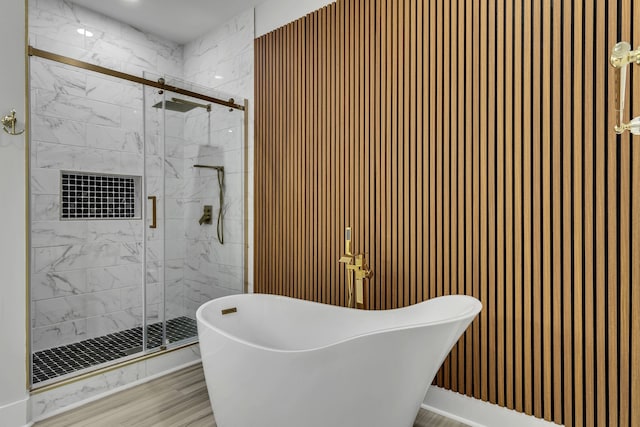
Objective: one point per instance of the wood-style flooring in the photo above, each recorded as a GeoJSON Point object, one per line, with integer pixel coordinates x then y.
{"type": "Point", "coordinates": [176, 400]}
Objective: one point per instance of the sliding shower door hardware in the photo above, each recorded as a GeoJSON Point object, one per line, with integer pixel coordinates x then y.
{"type": "Point", "coordinates": [10, 122]}
{"type": "Point", "coordinates": [161, 84]}
{"type": "Point", "coordinates": [621, 56]}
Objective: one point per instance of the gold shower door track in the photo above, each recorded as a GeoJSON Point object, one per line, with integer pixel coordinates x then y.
{"type": "Point", "coordinates": [118, 74]}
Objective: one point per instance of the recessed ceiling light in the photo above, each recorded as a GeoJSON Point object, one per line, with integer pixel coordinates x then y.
{"type": "Point", "coordinates": [218, 77]}
{"type": "Point", "coordinates": [230, 130]}
{"type": "Point", "coordinates": [85, 32]}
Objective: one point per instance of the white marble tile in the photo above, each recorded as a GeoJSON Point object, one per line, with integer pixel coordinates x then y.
{"type": "Point", "coordinates": [175, 249]}
{"type": "Point", "coordinates": [174, 229]}
{"type": "Point", "coordinates": [200, 188]}
{"type": "Point", "coordinates": [114, 91]}
{"type": "Point", "coordinates": [173, 167]}
{"type": "Point", "coordinates": [130, 253]}
{"type": "Point", "coordinates": [130, 164]}
{"type": "Point", "coordinates": [174, 208]}
{"type": "Point", "coordinates": [155, 250]}
{"type": "Point", "coordinates": [112, 322]}
{"type": "Point", "coordinates": [61, 131]}
{"type": "Point", "coordinates": [174, 270]}
{"type": "Point", "coordinates": [154, 295]}
{"type": "Point", "coordinates": [153, 166]}
{"type": "Point", "coordinates": [174, 147]}
{"type": "Point", "coordinates": [132, 119]}
{"type": "Point", "coordinates": [62, 48]}
{"type": "Point", "coordinates": [115, 231]}
{"type": "Point", "coordinates": [45, 207]}
{"type": "Point", "coordinates": [58, 27]}
{"type": "Point", "coordinates": [45, 181]}
{"type": "Point", "coordinates": [55, 233]}
{"type": "Point", "coordinates": [57, 156]}
{"type": "Point", "coordinates": [60, 397]}
{"type": "Point", "coordinates": [233, 230]}
{"type": "Point", "coordinates": [174, 124]}
{"type": "Point", "coordinates": [68, 157]}
{"type": "Point", "coordinates": [50, 336]}
{"type": "Point", "coordinates": [132, 296]}
{"type": "Point", "coordinates": [112, 138]}
{"type": "Point", "coordinates": [46, 75]}
{"type": "Point", "coordinates": [100, 279]}
{"type": "Point", "coordinates": [77, 108]}
{"type": "Point", "coordinates": [196, 294]}
{"type": "Point", "coordinates": [74, 257]}
{"type": "Point", "coordinates": [57, 284]}
{"type": "Point", "coordinates": [174, 188]}
{"type": "Point", "coordinates": [56, 310]}
{"type": "Point", "coordinates": [173, 359]}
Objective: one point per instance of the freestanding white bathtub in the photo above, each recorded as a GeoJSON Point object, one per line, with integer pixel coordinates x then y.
{"type": "Point", "coordinates": [283, 362]}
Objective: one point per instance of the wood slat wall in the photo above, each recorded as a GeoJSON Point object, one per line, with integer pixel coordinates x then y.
{"type": "Point", "coordinates": [470, 146]}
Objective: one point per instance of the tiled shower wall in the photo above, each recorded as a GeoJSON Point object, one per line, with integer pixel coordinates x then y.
{"type": "Point", "coordinates": [223, 60]}
{"type": "Point", "coordinates": [87, 274]}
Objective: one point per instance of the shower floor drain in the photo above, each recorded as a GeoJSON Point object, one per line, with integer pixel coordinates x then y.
{"type": "Point", "coordinates": [58, 361]}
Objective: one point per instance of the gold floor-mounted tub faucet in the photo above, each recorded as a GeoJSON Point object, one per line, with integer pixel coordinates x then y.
{"type": "Point", "coordinates": [356, 265]}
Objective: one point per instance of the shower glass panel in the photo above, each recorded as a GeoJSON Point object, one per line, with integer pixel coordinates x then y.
{"type": "Point", "coordinates": [194, 163]}
{"type": "Point", "coordinates": [122, 254]}
{"type": "Point", "coordinates": [86, 176]}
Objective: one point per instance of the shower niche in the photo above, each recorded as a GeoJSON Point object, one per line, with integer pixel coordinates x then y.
{"type": "Point", "coordinates": [123, 276]}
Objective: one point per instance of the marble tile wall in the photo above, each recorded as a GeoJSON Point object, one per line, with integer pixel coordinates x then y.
{"type": "Point", "coordinates": [87, 275]}
{"type": "Point", "coordinates": [54, 24]}
{"type": "Point", "coordinates": [223, 60]}
{"type": "Point", "coordinates": [212, 269]}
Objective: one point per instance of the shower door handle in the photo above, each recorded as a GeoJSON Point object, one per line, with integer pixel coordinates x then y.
{"type": "Point", "coordinates": [154, 211]}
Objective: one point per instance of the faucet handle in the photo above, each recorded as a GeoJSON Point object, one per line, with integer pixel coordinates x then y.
{"type": "Point", "coordinates": [346, 259]}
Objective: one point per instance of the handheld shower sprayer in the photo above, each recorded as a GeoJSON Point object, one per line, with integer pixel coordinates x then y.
{"type": "Point", "coordinates": [621, 56]}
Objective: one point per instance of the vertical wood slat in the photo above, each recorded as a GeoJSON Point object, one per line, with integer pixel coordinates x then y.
{"type": "Point", "coordinates": [567, 222]}
{"type": "Point", "coordinates": [518, 217]}
{"type": "Point", "coordinates": [635, 247]}
{"type": "Point", "coordinates": [602, 99]}
{"type": "Point", "coordinates": [556, 252]}
{"type": "Point", "coordinates": [364, 119]}
{"type": "Point", "coordinates": [612, 245]}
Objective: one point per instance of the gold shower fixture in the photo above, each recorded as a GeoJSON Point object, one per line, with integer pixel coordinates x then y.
{"type": "Point", "coordinates": [621, 56]}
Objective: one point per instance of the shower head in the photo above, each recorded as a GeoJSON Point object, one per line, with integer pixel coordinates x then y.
{"type": "Point", "coordinates": [181, 105]}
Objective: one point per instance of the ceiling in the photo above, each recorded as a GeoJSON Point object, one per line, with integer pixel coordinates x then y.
{"type": "Point", "coordinates": [179, 21]}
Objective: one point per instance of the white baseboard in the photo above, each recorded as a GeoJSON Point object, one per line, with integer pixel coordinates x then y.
{"type": "Point", "coordinates": [15, 413]}
{"type": "Point", "coordinates": [477, 413]}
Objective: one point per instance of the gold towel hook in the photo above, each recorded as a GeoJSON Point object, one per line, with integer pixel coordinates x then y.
{"type": "Point", "coordinates": [621, 56]}
{"type": "Point", "coordinates": [10, 122]}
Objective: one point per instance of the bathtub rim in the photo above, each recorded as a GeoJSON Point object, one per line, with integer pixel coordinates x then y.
{"type": "Point", "coordinates": [477, 307]}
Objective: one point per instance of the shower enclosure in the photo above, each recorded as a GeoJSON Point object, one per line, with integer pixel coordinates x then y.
{"type": "Point", "coordinates": [137, 215]}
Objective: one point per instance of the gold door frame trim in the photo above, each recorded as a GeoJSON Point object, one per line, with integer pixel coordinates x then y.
{"type": "Point", "coordinates": [32, 51]}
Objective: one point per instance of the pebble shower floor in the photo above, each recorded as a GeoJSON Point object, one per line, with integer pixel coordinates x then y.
{"type": "Point", "coordinates": [58, 361]}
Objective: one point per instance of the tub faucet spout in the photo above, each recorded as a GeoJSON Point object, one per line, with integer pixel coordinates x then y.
{"type": "Point", "coordinates": [356, 265]}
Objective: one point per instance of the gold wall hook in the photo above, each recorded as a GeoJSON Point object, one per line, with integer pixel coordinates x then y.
{"type": "Point", "coordinates": [10, 122]}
